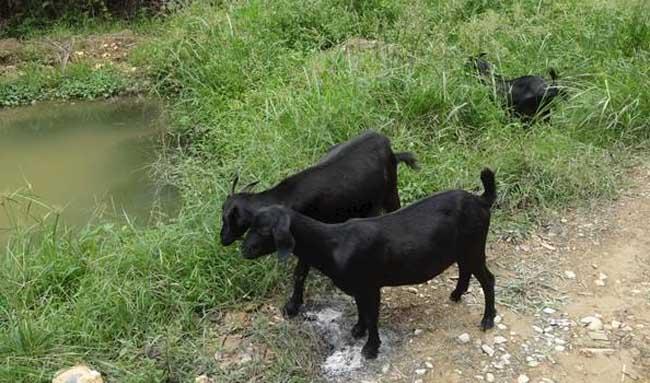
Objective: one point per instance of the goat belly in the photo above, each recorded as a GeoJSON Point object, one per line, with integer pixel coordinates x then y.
{"type": "Point", "coordinates": [415, 272]}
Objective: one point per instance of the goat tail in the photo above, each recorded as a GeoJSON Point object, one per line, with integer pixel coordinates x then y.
{"type": "Point", "coordinates": [489, 184]}
{"type": "Point", "coordinates": [553, 73]}
{"type": "Point", "coordinates": [408, 158]}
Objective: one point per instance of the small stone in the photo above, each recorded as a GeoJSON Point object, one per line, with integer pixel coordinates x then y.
{"type": "Point", "coordinates": [559, 348]}
{"type": "Point", "coordinates": [385, 368]}
{"type": "Point", "coordinates": [417, 332]}
{"type": "Point", "coordinates": [463, 338]}
{"type": "Point", "coordinates": [418, 381]}
{"type": "Point", "coordinates": [501, 326]}
{"type": "Point", "coordinates": [428, 365]}
{"type": "Point", "coordinates": [78, 374]}
{"type": "Point", "coordinates": [479, 377]}
{"type": "Point", "coordinates": [533, 363]}
{"type": "Point", "coordinates": [616, 324]}
{"type": "Point", "coordinates": [487, 349]}
{"type": "Point", "coordinates": [412, 289]}
{"type": "Point", "coordinates": [523, 379]}
{"type": "Point", "coordinates": [599, 282]}
{"type": "Point", "coordinates": [597, 335]}
{"type": "Point", "coordinates": [497, 319]}
{"type": "Point", "coordinates": [559, 341]}
{"type": "Point", "coordinates": [420, 371]}
{"type": "Point", "coordinates": [538, 329]}
{"type": "Point", "coordinates": [592, 323]}
{"type": "Point", "coordinates": [602, 276]}
{"type": "Point", "coordinates": [549, 310]}
{"type": "Point", "coordinates": [203, 379]}
{"type": "Point", "coordinates": [489, 377]}
{"type": "Point", "coordinates": [499, 340]}
{"type": "Point", "coordinates": [529, 359]}
{"type": "Point", "coordinates": [570, 274]}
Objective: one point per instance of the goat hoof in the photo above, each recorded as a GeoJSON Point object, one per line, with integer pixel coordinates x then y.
{"type": "Point", "coordinates": [291, 309]}
{"type": "Point", "coordinates": [370, 352]}
{"type": "Point", "coordinates": [487, 323]}
{"type": "Point", "coordinates": [358, 331]}
{"type": "Point", "coordinates": [455, 296]}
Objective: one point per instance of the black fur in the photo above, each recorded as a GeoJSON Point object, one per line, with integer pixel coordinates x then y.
{"type": "Point", "coordinates": [408, 246]}
{"type": "Point", "coordinates": [357, 178]}
{"type": "Point", "coordinates": [526, 97]}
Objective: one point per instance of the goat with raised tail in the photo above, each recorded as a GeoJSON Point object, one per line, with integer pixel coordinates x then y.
{"type": "Point", "coordinates": [409, 246]}
{"type": "Point", "coordinates": [526, 97]}
{"type": "Point", "coordinates": [357, 178]}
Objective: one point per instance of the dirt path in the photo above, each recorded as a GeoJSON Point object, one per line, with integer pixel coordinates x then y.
{"type": "Point", "coordinates": [574, 305]}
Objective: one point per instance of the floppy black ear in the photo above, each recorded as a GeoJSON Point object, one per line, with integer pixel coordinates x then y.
{"type": "Point", "coordinates": [284, 242]}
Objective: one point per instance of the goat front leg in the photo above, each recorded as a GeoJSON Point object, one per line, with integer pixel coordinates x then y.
{"type": "Point", "coordinates": [359, 328]}
{"type": "Point", "coordinates": [371, 315]}
{"type": "Point", "coordinates": [292, 306]}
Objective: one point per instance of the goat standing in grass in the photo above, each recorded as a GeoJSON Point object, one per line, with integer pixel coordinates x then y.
{"type": "Point", "coordinates": [411, 245]}
{"type": "Point", "coordinates": [526, 97]}
{"type": "Point", "coordinates": [357, 178]}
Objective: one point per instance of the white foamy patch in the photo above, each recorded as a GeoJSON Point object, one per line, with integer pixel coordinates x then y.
{"type": "Point", "coordinates": [343, 361]}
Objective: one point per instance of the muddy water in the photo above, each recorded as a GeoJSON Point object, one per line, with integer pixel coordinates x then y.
{"type": "Point", "coordinates": [88, 161]}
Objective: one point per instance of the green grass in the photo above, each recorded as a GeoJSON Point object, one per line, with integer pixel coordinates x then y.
{"type": "Point", "coordinates": [78, 81]}
{"type": "Point", "coordinates": [266, 88]}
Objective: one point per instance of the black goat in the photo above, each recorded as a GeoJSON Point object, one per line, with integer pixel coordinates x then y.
{"type": "Point", "coordinates": [411, 245]}
{"type": "Point", "coordinates": [357, 178]}
{"type": "Point", "coordinates": [525, 96]}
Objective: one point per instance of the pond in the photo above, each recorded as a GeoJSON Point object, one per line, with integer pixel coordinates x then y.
{"type": "Point", "coordinates": [86, 160]}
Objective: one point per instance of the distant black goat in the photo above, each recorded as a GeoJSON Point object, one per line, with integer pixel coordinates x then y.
{"type": "Point", "coordinates": [357, 178]}
{"type": "Point", "coordinates": [525, 96]}
{"type": "Point", "coordinates": [411, 245]}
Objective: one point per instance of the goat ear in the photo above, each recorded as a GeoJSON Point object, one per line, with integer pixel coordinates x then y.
{"type": "Point", "coordinates": [250, 186]}
{"type": "Point", "coordinates": [234, 183]}
{"type": "Point", "coordinates": [284, 242]}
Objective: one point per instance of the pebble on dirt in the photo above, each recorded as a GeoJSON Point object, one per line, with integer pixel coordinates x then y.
{"type": "Point", "coordinates": [523, 379]}
{"type": "Point", "coordinates": [463, 338]}
{"type": "Point", "coordinates": [487, 349]}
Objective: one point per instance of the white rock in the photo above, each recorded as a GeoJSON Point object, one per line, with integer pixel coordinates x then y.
{"type": "Point", "coordinates": [501, 326]}
{"type": "Point", "coordinates": [412, 290]}
{"type": "Point", "coordinates": [559, 348]}
{"type": "Point", "coordinates": [592, 323]}
{"type": "Point", "coordinates": [499, 339]}
{"type": "Point", "coordinates": [497, 319]}
{"type": "Point", "coordinates": [487, 349]}
{"type": "Point", "coordinates": [428, 365]}
{"type": "Point", "coordinates": [538, 329]}
{"type": "Point", "coordinates": [616, 324]}
{"type": "Point", "coordinates": [602, 276]}
{"type": "Point", "coordinates": [549, 310]}
{"type": "Point", "coordinates": [417, 332]}
{"type": "Point", "coordinates": [597, 335]}
{"type": "Point", "coordinates": [529, 359]}
{"type": "Point", "coordinates": [599, 282]}
{"type": "Point", "coordinates": [489, 377]}
{"type": "Point", "coordinates": [78, 374]}
{"type": "Point", "coordinates": [385, 368]}
{"type": "Point", "coordinates": [418, 381]}
{"type": "Point", "coordinates": [203, 379]}
{"type": "Point", "coordinates": [463, 338]}
{"type": "Point", "coordinates": [570, 274]}
{"type": "Point", "coordinates": [420, 371]}
{"type": "Point", "coordinates": [533, 363]}
{"type": "Point", "coordinates": [523, 379]}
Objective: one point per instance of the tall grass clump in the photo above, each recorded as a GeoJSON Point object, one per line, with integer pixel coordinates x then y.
{"type": "Point", "coordinates": [264, 88]}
